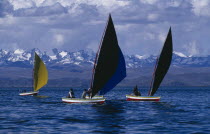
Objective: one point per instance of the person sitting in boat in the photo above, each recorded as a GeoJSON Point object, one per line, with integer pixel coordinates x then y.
{"type": "Point", "coordinates": [85, 92]}
{"type": "Point", "coordinates": [136, 91]}
{"type": "Point", "coordinates": [88, 93]}
{"type": "Point", "coordinates": [71, 93]}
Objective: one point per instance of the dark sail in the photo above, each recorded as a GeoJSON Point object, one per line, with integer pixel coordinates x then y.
{"type": "Point", "coordinates": [163, 64]}
{"type": "Point", "coordinates": [110, 63]}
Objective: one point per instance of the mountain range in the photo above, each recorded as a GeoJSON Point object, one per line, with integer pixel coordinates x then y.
{"type": "Point", "coordinates": [23, 58]}
{"type": "Point", "coordinates": [67, 69]}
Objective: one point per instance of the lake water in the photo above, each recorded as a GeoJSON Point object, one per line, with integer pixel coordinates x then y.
{"type": "Point", "coordinates": [180, 110]}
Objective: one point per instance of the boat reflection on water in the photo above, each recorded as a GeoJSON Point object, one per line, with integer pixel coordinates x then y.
{"type": "Point", "coordinates": [110, 117]}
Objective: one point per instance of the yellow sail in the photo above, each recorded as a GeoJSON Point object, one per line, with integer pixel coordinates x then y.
{"type": "Point", "coordinates": [40, 73]}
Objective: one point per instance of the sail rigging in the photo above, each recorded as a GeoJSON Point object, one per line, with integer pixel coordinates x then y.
{"type": "Point", "coordinates": [109, 67]}
{"type": "Point", "coordinates": [40, 76]}
{"type": "Point", "coordinates": [163, 64]}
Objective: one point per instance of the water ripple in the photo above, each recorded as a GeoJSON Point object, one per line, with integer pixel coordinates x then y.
{"type": "Point", "coordinates": [183, 110]}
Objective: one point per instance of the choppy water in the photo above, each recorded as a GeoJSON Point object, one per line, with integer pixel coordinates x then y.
{"type": "Point", "coordinates": [180, 110]}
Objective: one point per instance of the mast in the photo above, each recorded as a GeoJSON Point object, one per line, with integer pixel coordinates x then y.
{"type": "Point", "coordinates": [35, 76]}
{"type": "Point", "coordinates": [153, 76]}
{"type": "Point", "coordinates": [163, 64]}
{"type": "Point", "coordinates": [33, 72]}
{"type": "Point", "coordinates": [98, 51]}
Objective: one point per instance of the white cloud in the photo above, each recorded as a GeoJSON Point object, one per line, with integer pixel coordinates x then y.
{"type": "Point", "coordinates": [107, 4]}
{"type": "Point", "coordinates": [75, 7]}
{"type": "Point", "coordinates": [95, 22]}
{"type": "Point", "coordinates": [162, 37]}
{"type": "Point", "coordinates": [59, 38]}
{"type": "Point", "coordinates": [192, 48]}
{"type": "Point", "coordinates": [125, 27]}
{"type": "Point", "coordinates": [17, 4]}
{"type": "Point", "coordinates": [152, 17]}
{"type": "Point", "coordinates": [5, 8]}
{"type": "Point", "coordinates": [148, 1]}
{"type": "Point", "coordinates": [141, 25]}
{"type": "Point", "coordinates": [175, 3]}
{"type": "Point", "coordinates": [149, 36]}
{"type": "Point", "coordinates": [9, 19]}
{"type": "Point", "coordinates": [201, 7]}
{"type": "Point", "coordinates": [57, 8]}
{"type": "Point", "coordinates": [39, 2]}
{"type": "Point", "coordinates": [94, 45]}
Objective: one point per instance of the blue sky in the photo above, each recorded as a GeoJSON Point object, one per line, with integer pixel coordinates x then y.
{"type": "Point", "coordinates": [72, 25]}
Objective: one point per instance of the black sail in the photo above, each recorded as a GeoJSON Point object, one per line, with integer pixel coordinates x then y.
{"type": "Point", "coordinates": [163, 64]}
{"type": "Point", "coordinates": [109, 67]}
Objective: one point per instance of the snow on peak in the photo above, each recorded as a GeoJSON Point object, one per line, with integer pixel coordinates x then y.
{"type": "Point", "coordinates": [180, 54]}
{"type": "Point", "coordinates": [4, 51]}
{"type": "Point", "coordinates": [63, 54]}
{"type": "Point", "coordinates": [141, 56]}
{"type": "Point", "coordinates": [28, 56]}
{"type": "Point", "coordinates": [18, 51]}
{"type": "Point", "coordinates": [78, 55]}
{"type": "Point", "coordinates": [19, 55]}
{"type": "Point", "coordinates": [77, 63]}
{"type": "Point", "coordinates": [79, 58]}
{"type": "Point", "coordinates": [53, 57]}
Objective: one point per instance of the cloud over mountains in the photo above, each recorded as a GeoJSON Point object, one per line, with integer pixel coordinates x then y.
{"type": "Point", "coordinates": [141, 25]}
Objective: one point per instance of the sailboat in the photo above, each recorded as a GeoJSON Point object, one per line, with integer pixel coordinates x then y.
{"type": "Point", "coordinates": [40, 76]}
{"type": "Point", "coordinates": [161, 68]}
{"type": "Point", "coordinates": [109, 67]}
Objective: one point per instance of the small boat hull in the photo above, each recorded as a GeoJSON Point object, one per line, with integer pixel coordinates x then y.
{"type": "Point", "coordinates": [28, 93]}
{"type": "Point", "coordinates": [78, 100]}
{"type": "Point", "coordinates": [141, 98]}
{"type": "Point", "coordinates": [96, 97]}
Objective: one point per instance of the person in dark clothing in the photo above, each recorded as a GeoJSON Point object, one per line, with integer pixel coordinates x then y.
{"type": "Point", "coordinates": [71, 94]}
{"type": "Point", "coordinates": [136, 92]}
{"type": "Point", "coordinates": [84, 93]}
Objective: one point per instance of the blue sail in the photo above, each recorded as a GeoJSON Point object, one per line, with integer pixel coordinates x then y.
{"type": "Point", "coordinates": [119, 75]}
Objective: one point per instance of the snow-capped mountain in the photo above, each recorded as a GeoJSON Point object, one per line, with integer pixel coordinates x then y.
{"type": "Point", "coordinates": [24, 58]}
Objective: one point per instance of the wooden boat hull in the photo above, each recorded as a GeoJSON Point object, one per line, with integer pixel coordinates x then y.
{"type": "Point", "coordinates": [79, 100]}
{"type": "Point", "coordinates": [96, 97]}
{"type": "Point", "coordinates": [28, 93]}
{"type": "Point", "coordinates": [141, 98]}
